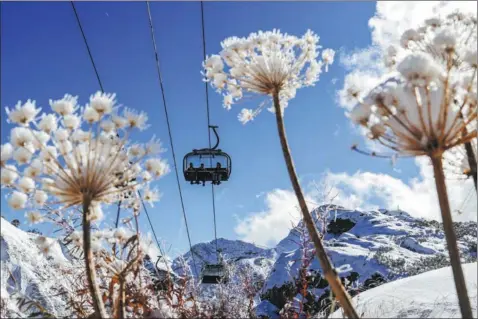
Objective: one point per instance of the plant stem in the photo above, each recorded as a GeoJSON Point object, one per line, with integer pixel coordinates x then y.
{"type": "Point", "coordinates": [328, 271]}
{"type": "Point", "coordinates": [116, 224]}
{"type": "Point", "coordinates": [122, 299]}
{"type": "Point", "coordinates": [470, 154]}
{"type": "Point", "coordinates": [450, 235]}
{"type": "Point", "coordinates": [98, 304]}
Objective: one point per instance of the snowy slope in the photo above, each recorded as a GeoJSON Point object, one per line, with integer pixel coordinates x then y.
{"type": "Point", "coordinates": [25, 270]}
{"type": "Point", "coordinates": [428, 295]}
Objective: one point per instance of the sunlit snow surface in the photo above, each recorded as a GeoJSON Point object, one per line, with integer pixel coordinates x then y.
{"type": "Point", "coordinates": [428, 295]}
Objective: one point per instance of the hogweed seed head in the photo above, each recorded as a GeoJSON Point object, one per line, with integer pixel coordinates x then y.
{"type": "Point", "coordinates": [265, 63]}
{"type": "Point", "coordinates": [427, 105]}
{"type": "Point", "coordinates": [83, 160]}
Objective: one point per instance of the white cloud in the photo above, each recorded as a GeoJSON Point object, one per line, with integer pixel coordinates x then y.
{"type": "Point", "coordinates": [418, 197]}
{"type": "Point", "coordinates": [363, 191]}
{"type": "Point", "coordinates": [361, 58]}
{"type": "Point", "coordinates": [271, 225]}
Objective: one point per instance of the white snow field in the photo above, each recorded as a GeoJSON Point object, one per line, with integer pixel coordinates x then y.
{"type": "Point", "coordinates": [428, 295]}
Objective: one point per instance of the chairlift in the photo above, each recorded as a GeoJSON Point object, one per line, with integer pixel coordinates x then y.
{"type": "Point", "coordinates": [207, 165]}
{"type": "Point", "coordinates": [214, 274]}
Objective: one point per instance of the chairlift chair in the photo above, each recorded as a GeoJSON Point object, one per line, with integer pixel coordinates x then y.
{"type": "Point", "coordinates": [215, 165]}
{"type": "Point", "coordinates": [214, 274]}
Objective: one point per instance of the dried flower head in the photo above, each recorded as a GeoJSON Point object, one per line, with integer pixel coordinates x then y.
{"type": "Point", "coordinates": [84, 161]}
{"type": "Point", "coordinates": [446, 39]}
{"type": "Point", "coordinates": [428, 104]}
{"type": "Point", "coordinates": [265, 63]}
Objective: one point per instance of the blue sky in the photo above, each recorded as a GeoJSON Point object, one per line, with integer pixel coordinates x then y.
{"type": "Point", "coordinates": [43, 56]}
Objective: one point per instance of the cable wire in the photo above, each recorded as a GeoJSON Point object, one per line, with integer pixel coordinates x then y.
{"type": "Point", "coordinates": [87, 47]}
{"type": "Point", "coordinates": [149, 220]}
{"type": "Point", "coordinates": [460, 210]}
{"type": "Point", "coordinates": [208, 129]}
{"type": "Point", "coordinates": [169, 129]}
{"type": "Point", "coordinates": [102, 90]}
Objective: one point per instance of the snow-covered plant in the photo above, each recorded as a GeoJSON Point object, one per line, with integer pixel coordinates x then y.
{"type": "Point", "coordinates": [450, 41]}
{"type": "Point", "coordinates": [275, 64]}
{"type": "Point", "coordinates": [266, 63]}
{"type": "Point", "coordinates": [78, 158]}
{"type": "Point", "coordinates": [125, 284]}
{"type": "Point", "coordinates": [428, 106]}
{"type": "Point", "coordinates": [232, 299]}
{"type": "Point", "coordinates": [123, 273]}
{"type": "Point", "coordinates": [296, 306]}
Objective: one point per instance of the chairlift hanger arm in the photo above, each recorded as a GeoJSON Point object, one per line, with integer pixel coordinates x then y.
{"type": "Point", "coordinates": [214, 127]}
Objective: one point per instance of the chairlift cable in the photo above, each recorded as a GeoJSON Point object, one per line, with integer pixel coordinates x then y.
{"type": "Point", "coordinates": [466, 199]}
{"type": "Point", "coordinates": [87, 47]}
{"type": "Point", "coordinates": [169, 128]}
{"type": "Point", "coordinates": [102, 90]}
{"type": "Point", "coordinates": [154, 233]}
{"type": "Point", "coordinates": [208, 129]}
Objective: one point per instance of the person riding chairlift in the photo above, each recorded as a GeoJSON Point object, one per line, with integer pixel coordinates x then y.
{"type": "Point", "coordinates": [215, 176]}
{"type": "Point", "coordinates": [192, 169]}
{"type": "Point", "coordinates": [198, 181]}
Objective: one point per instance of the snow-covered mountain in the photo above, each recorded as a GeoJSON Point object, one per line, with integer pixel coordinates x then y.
{"type": "Point", "coordinates": [368, 248]}
{"type": "Point", "coordinates": [29, 274]}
